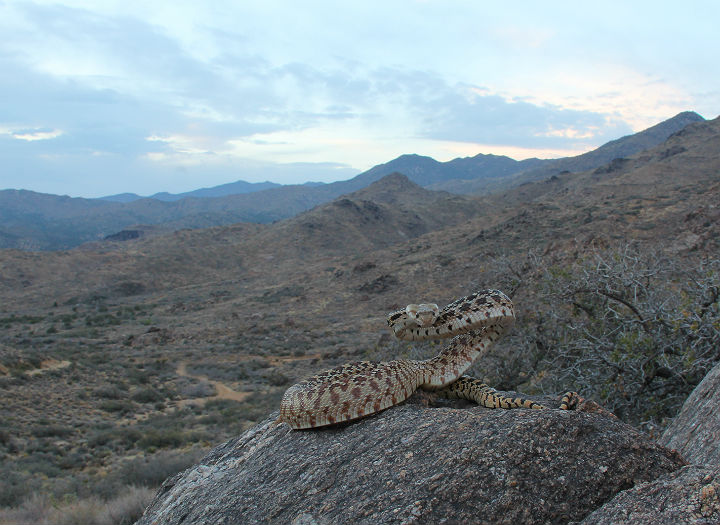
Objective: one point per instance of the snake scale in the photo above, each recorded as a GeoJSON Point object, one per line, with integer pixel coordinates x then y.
{"type": "Point", "coordinates": [358, 389]}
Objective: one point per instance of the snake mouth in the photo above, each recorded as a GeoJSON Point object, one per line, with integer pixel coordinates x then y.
{"type": "Point", "coordinates": [423, 315]}
{"type": "Point", "coordinates": [425, 318]}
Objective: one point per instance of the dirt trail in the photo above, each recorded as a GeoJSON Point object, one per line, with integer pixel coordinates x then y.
{"type": "Point", "coordinates": [223, 391]}
{"type": "Point", "coordinates": [279, 360]}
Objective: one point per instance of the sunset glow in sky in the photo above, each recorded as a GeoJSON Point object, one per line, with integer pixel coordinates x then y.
{"type": "Point", "coordinates": [102, 97]}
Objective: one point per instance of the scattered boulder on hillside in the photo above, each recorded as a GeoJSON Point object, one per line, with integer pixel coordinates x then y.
{"type": "Point", "coordinates": [695, 431]}
{"type": "Point", "coordinates": [417, 464]}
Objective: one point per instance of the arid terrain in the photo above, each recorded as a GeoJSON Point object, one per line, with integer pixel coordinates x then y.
{"type": "Point", "coordinates": [120, 362]}
{"type": "Point", "coordinates": [37, 221]}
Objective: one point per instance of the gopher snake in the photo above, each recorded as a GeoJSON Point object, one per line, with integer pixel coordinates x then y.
{"type": "Point", "coordinates": [358, 389]}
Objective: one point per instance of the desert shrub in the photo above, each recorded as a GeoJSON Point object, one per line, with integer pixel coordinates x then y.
{"type": "Point", "coordinates": [115, 405]}
{"type": "Point", "coordinates": [80, 512]}
{"type": "Point", "coordinates": [193, 388]}
{"type": "Point", "coordinates": [139, 377]}
{"type": "Point", "coordinates": [41, 509]}
{"type": "Point", "coordinates": [144, 373]}
{"type": "Point", "coordinates": [13, 485]}
{"type": "Point", "coordinates": [152, 470]}
{"type": "Point", "coordinates": [230, 417]}
{"type": "Point", "coordinates": [228, 371]}
{"type": "Point", "coordinates": [109, 392]}
{"type": "Point", "coordinates": [67, 320]}
{"type": "Point", "coordinates": [147, 395]}
{"type": "Point", "coordinates": [127, 507]}
{"type": "Point", "coordinates": [128, 288]}
{"type": "Point", "coordinates": [254, 408]}
{"type": "Point", "coordinates": [20, 319]}
{"type": "Point", "coordinates": [102, 320]}
{"type": "Point", "coordinates": [73, 461]}
{"type": "Point", "coordinates": [33, 510]}
{"type": "Point", "coordinates": [280, 294]}
{"type": "Point", "coordinates": [635, 331]}
{"type": "Point", "coordinates": [51, 431]}
{"type": "Point", "coordinates": [225, 407]}
{"type": "Point", "coordinates": [169, 438]}
{"type": "Point", "coordinates": [276, 378]}
{"type": "Point", "coordinates": [124, 437]}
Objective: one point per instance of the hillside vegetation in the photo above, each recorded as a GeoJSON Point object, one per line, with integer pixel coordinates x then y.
{"type": "Point", "coordinates": [34, 221]}
{"type": "Point", "coordinates": [120, 362]}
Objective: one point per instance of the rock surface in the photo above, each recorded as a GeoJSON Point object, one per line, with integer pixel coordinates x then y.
{"type": "Point", "coordinates": [688, 495]}
{"type": "Point", "coordinates": [695, 431]}
{"type": "Point", "coordinates": [417, 464]}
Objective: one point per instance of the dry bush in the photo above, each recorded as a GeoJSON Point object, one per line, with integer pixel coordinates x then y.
{"type": "Point", "coordinates": [124, 509]}
{"type": "Point", "coordinates": [189, 387]}
{"type": "Point", "coordinates": [34, 510]}
{"type": "Point", "coordinates": [636, 331]}
{"type": "Point", "coordinates": [127, 507]}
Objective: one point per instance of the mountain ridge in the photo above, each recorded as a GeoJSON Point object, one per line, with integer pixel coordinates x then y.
{"type": "Point", "coordinates": [231, 188]}
{"type": "Point", "coordinates": [618, 148]}
{"type": "Point", "coordinates": [34, 221]}
{"type": "Point", "coordinates": [390, 210]}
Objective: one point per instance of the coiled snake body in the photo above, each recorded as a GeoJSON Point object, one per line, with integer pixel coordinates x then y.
{"type": "Point", "coordinates": [358, 389]}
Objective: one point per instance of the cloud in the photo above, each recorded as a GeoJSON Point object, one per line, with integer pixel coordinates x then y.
{"type": "Point", "coordinates": [427, 106]}
{"type": "Point", "coordinates": [463, 114]}
{"type": "Point", "coordinates": [31, 135]}
{"type": "Point", "coordinates": [151, 95]}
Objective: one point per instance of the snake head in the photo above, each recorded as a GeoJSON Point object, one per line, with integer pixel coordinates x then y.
{"type": "Point", "coordinates": [422, 314]}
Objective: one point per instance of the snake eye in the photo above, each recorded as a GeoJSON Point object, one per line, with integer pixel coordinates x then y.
{"type": "Point", "coordinates": [412, 311]}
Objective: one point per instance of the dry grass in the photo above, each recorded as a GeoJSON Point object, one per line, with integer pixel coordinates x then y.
{"type": "Point", "coordinates": [39, 509]}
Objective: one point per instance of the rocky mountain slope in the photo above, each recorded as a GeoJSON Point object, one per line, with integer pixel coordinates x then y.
{"type": "Point", "coordinates": [619, 148]}
{"type": "Point", "coordinates": [388, 211]}
{"type": "Point", "coordinates": [33, 221]}
{"type": "Point", "coordinates": [427, 171]}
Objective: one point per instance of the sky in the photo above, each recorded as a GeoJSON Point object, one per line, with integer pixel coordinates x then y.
{"type": "Point", "coordinates": [103, 97]}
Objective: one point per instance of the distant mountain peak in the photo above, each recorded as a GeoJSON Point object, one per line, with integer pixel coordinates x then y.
{"type": "Point", "coordinates": [394, 180]}
{"type": "Point", "coordinates": [689, 115]}
{"type": "Point", "coordinates": [414, 157]}
{"type": "Point", "coordinates": [391, 188]}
